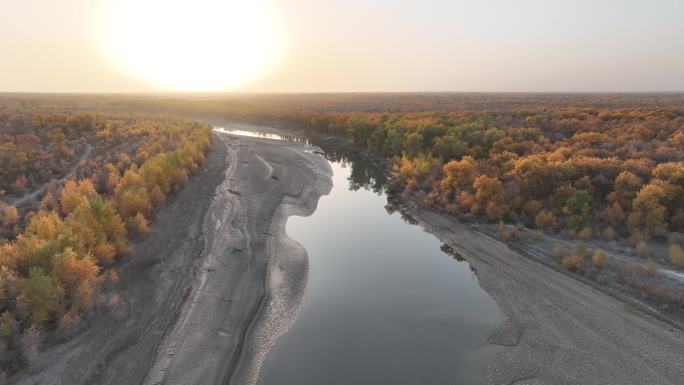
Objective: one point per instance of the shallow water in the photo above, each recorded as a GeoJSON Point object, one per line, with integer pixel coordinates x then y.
{"type": "Point", "coordinates": [235, 130]}
{"type": "Point", "coordinates": [385, 302]}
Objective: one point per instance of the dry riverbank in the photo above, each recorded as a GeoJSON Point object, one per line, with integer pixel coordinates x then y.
{"type": "Point", "coordinates": [252, 275]}
{"type": "Point", "coordinates": [204, 296]}
{"type": "Point", "coordinates": [559, 330]}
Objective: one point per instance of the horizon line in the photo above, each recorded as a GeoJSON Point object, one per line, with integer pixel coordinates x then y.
{"type": "Point", "coordinates": [218, 93]}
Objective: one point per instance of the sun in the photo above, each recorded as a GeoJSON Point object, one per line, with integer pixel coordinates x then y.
{"type": "Point", "coordinates": [192, 45]}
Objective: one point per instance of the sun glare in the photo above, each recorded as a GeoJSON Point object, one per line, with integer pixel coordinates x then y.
{"type": "Point", "coordinates": [198, 45]}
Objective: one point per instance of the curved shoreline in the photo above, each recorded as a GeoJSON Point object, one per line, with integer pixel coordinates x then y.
{"type": "Point", "coordinates": [205, 295]}
{"type": "Point", "coordinates": [559, 330]}
{"type": "Point", "coordinates": [252, 276]}
{"type": "Point", "coordinates": [286, 273]}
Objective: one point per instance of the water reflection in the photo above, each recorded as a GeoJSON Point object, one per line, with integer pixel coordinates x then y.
{"type": "Point", "coordinates": [450, 251]}
{"type": "Point", "coordinates": [365, 174]}
{"type": "Point", "coordinates": [382, 304]}
{"type": "Point", "coordinates": [385, 303]}
{"type": "Point", "coordinates": [393, 206]}
{"type": "Point", "coordinates": [262, 135]}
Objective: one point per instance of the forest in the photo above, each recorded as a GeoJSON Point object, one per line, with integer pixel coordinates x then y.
{"type": "Point", "coordinates": [77, 187]}
{"type": "Point", "coordinates": [602, 172]}
{"type": "Point", "coordinates": [585, 168]}
{"type": "Point", "coordinates": [585, 165]}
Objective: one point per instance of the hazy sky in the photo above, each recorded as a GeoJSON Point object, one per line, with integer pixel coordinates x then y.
{"type": "Point", "coordinates": [364, 45]}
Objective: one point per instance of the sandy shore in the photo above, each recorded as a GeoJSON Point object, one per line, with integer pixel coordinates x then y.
{"type": "Point", "coordinates": [558, 330]}
{"type": "Point", "coordinates": [252, 277]}
{"type": "Point", "coordinates": [205, 295]}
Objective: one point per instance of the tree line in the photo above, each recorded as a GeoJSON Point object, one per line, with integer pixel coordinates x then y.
{"type": "Point", "coordinates": [61, 249]}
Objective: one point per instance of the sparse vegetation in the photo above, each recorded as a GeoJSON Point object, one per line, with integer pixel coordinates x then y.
{"type": "Point", "coordinates": [676, 255]}
{"type": "Point", "coordinates": [581, 249]}
{"type": "Point", "coordinates": [573, 262]}
{"type": "Point", "coordinates": [642, 248]}
{"type": "Point", "coordinates": [559, 250]}
{"type": "Point", "coordinates": [651, 267]}
{"type": "Point", "coordinates": [600, 258]}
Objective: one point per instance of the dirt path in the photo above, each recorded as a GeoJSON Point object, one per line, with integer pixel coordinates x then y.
{"type": "Point", "coordinates": [116, 347]}
{"type": "Point", "coordinates": [559, 330]}
{"type": "Point", "coordinates": [36, 193]}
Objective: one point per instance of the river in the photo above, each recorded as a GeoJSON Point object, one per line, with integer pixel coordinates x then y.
{"type": "Point", "coordinates": [385, 302]}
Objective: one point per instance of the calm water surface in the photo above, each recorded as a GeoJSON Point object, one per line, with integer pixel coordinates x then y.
{"type": "Point", "coordinates": [384, 304]}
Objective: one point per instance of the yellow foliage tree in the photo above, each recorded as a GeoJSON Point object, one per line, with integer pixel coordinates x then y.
{"type": "Point", "coordinates": [70, 197]}
{"type": "Point", "coordinates": [648, 213]}
{"type": "Point", "coordinates": [138, 224]}
{"type": "Point", "coordinates": [489, 194]}
{"type": "Point", "coordinates": [135, 201]}
{"type": "Point", "coordinates": [86, 188]}
{"type": "Point", "coordinates": [545, 219]}
{"type": "Point", "coordinates": [676, 255]}
{"type": "Point", "coordinates": [45, 225]}
{"type": "Point", "coordinates": [600, 258]}
{"type": "Point", "coordinates": [10, 216]}
{"type": "Point", "coordinates": [78, 276]}
{"type": "Point", "coordinates": [459, 175]}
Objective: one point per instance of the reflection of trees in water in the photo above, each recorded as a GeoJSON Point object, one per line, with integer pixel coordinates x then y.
{"type": "Point", "coordinates": [365, 174]}
{"type": "Point", "coordinates": [450, 251]}
{"type": "Point", "coordinates": [446, 249]}
{"type": "Point", "coordinates": [393, 206]}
